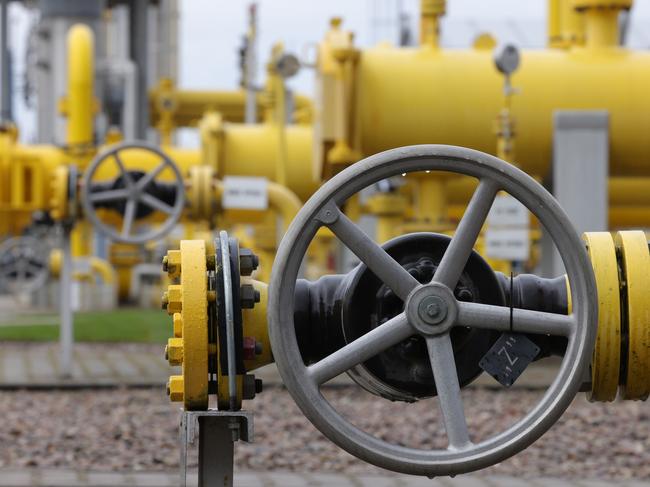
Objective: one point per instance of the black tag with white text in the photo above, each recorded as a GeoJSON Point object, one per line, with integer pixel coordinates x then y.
{"type": "Point", "coordinates": [509, 357]}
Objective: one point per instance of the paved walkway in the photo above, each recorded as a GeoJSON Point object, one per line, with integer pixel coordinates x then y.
{"type": "Point", "coordinates": [36, 365]}
{"type": "Point", "coordinates": [63, 478]}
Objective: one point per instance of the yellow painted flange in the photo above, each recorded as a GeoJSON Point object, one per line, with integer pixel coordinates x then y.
{"type": "Point", "coordinates": [194, 314]}
{"type": "Point", "coordinates": [632, 248]}
{"type": "Point", "coordinates": [605, 362]}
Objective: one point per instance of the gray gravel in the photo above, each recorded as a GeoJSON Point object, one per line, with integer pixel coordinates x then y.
{"type": "Point", "coordinates": [114, 430]}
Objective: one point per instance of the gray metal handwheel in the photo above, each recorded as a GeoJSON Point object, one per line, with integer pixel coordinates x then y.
{"type": "Point", "coordinates": [432, 322]}
{"type": "Point", "coordinates": [133, 194]}
{"type": "Point", "coordinates": [23, 265]}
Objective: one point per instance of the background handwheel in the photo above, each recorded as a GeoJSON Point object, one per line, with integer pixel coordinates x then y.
{"type": "Point", "coordinates": [131, 194]}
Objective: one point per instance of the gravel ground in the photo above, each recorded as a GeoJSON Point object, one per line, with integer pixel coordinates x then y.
{"type": "Point", "coordinates": [114, 430]}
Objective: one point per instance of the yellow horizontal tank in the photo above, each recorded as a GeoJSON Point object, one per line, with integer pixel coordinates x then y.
{"type": "Point", "coordinates": [451, 97]}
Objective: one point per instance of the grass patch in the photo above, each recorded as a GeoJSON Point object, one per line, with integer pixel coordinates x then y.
{"type": "Point", "coordinates": [124, 325]}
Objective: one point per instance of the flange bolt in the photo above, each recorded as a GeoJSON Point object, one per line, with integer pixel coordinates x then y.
{"type": "Point", "coordinates": [248, 262]}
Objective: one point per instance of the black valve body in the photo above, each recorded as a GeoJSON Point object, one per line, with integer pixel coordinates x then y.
{"type": "Point", "coordinates": [337, 309]}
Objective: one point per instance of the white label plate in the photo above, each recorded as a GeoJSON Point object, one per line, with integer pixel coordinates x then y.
{"type": "Point", "coordinates": [245, 193]}
{"type": "Point", "coordinates": [507, 243]}
{"type": "Point", "coordinates": [506, 211]}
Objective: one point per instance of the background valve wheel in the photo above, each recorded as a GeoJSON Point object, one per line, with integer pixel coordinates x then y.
{"type": "Point", "coordinates": [131, 193]}
{"type": "Point", "coordinates": [23, 265]}
{"type": "Point", "coordinates": [431, 310]}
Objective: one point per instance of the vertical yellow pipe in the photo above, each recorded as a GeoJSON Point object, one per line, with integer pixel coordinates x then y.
{"type": "Point", "coordinates": [431, 200]}
{"type": "Point", "coordinates": [601, 20]}
{"type": "Point", "coordinates": [601, 27]}
{"type": "Point", "coordinates": [81, 239]}
{"type": "Point", "coordinates": [430, 13]}
{"type": "Point", "coordinates": [79, 102]}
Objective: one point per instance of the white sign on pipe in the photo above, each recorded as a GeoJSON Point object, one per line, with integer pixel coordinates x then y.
{"type": "Point", "coordinates": [245, 193]}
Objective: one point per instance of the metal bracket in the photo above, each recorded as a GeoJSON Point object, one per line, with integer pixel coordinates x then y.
{"type": "Point", "coordinates": [217, 432]}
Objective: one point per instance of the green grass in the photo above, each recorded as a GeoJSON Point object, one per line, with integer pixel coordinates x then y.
{"type": "Point", "coordinates": [127, 325]}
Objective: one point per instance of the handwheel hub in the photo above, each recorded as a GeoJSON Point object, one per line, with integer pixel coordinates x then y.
{"type": "Point", "coordinates": [431, 309]}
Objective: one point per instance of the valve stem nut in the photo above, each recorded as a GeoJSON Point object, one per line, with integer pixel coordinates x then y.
{"type": "Point", "coordinates": [248, 296]}
{"type": "Point", "coordinates": [248, 261]}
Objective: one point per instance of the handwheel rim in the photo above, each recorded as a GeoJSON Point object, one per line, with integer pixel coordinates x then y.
{"type": "Point", "coordinates": [308, 396]}
{"type": "Point", "coordinates": [90, 211]}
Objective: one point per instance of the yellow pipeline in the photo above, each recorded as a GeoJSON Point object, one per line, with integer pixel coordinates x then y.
{"type": "Point", "coordinates": [79, 104]}
{"type": "Point", "coordinates": [171, 107]}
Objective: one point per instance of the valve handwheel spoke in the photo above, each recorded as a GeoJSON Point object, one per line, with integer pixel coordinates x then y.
{"type": "Point", "coordinates": [431, 310]}
{"type": "Point", "coordinates": [453, 262]}
{"type": "Point", "coordinates": [378, 261]}
{"type": "Point", "coordinates": [133, 194]}
{"type": "Point", "coordinates": [129, 217]}
{"type": "Point", "coordinates": [477, 315]}
{"type": "Point", "coordinates": [144, 181]}
{"type": "Point", "coordinates": [443, 365]}
{"type": "Point", "coordinates": [110, 195]}
{"type": "Point", "coordinates": [363, 348]}
{"type": "Point", "coordinates": [156, 204]}
{"type": "Point", "coordinates": [128, 180]}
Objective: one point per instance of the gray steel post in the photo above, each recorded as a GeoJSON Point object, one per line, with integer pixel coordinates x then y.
{"type": "Point", "coordinates": [216, 451]}
{"type": "Point", "coordinates": [139, 42]}
{"type": "Point", "coordinates": [66, 325]}
{"type": "Point", "coordinates": [5, 72]}
{"type": "Point", "coordinates": [580, 175]}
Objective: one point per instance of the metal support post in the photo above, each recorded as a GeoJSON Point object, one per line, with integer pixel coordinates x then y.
{"type": "Point", "coordinates": [251, 66]}
{"type": "Point", "coordinates": [139, 38]}
{"type": "Point", "coordinates": [66, 325]}
{"type": "Point", "coordinates": [580, 175]}
{"type": "Point", "coordinates": [5, 74]}
{"type": "Point", "coordinates": [218, 432]}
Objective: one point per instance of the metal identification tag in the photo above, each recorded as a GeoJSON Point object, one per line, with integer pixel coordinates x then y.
{"type": "Point", "coordinates": [509, 357]}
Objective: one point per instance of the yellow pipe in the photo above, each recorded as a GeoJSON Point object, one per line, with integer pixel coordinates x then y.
{"type": "Point", "coordinates": [102, 268]}
{"type": "Point", "coordinates": [601, 21]}
{"type": "Point", "coordinates": [430, 13]}
{"type": "Point", "coordinates": [81, 239]}
{"type": "Point", "coordinates": [78, 105]}
{"type": "Point", "coordinates": [186, 107]}
{"type": "Point", "coordinates": [284, 202]}
{"type": "Point", "coordinates": [566, 26]}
